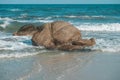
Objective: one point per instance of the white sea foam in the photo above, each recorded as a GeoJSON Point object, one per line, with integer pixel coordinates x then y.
{"type": "Point", "coordinates": [9, 45]}
{"type": "Point", "coordinates": [107, 45]}
{"type": "Point", "coordinates": [100, 27]}
{"type": "Point", "coordinates": [111, 50]}
{"type": "Point", "coordinates": [23, 15]}
{"type": "Point", "coordinates": [45, 18]}
{"type": "Point", "coordinates": [14, 42]}
{"type": "Point", "coordinates": [34, 21]}
{"type": "Point", "coordinates": [82, 17]}
{"type": "Point", "coordinates": [6, 21]}
{"type": "Point", "coordinates": [21, 54]}
{"type": "Point", "coordinates": [45, 21]}
{"type": "Point", "coordinates": [14, 47]}
{"type": "Point", "coordinates": [17, 55]}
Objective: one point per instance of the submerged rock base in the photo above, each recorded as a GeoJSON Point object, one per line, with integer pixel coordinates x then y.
{"type": "Point", "coordinates": [56, 35]}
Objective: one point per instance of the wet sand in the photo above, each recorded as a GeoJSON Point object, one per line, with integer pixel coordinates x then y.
{"type": "Point", "coordinates": [60, 65]}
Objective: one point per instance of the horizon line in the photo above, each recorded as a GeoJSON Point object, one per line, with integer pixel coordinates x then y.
{"type": "Point", "coordinates": [68, 3]}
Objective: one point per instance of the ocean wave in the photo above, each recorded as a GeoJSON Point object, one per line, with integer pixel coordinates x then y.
{"type": "Point", "coordinates": [17, 43]}
{"type": "Point", "coordinates": [107, 45]}
{"type": "Point", "coordinates": [6, 21]}
{"type": "Point", "coordinates": [88, 17]}
{"type": "Point", "coordinates": [82, 17]}
{"type": "Point", "coordinates": [23, 15]}
{"type": "Point", "coordinates": [21, 46]}
{"type": "Point", "coordinates": [20, 55]}
{"type": "Point", "coordinates": [33, 21]}
{"type": "Point", "coordinates": [99, 27]}
{"type": "Point", "coordinates": [14, 42]}
{"type": "Point", "coordinates": [14, 10]}
{"type": "Point", "coordinates": [44, 18]}
{"type": "Point", "coordinates": [17, 55]}
{"type": "Point", "coordinates": [18, 46]}
{"type": "Point", "coordinates": [85, 17]}
{"type": "Point", "coordinates": [12, 45]}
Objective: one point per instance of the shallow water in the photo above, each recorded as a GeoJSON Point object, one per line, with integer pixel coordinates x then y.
{"type": "Point", "coordinates": [62, 66]}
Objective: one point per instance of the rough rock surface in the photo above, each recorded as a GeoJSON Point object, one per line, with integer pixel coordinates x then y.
{"type": "Point", "coordinates": [61, 35]}
{"type": "Point", "coordinates": [26, 30]}
{"type": "Point", "coordinates": [56, 35]}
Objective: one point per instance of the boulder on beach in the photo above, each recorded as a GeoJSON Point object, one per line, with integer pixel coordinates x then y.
{"type": "Point", "coordinates": [61, 35]}
{"type": "Point", "coordinates": [26, 30]}
{"type": "Point", "coordinates": [56, 35]}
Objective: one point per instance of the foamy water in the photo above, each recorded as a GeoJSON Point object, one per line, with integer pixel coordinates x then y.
{"type": "Point", "coordinates": [7, 21]}
{"type": "Point", "coordinates": [100, 27]}
{"type": "Point", "coordinates": [18, 46]}
{"type": "Point", "coordinates": [84, 26]}
{"type": "Point", "coordinates": [21, 46]}
{"type": "Point", "coordinates": [14, 46]}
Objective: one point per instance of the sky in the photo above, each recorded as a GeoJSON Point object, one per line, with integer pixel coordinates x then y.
{"type": "Point", "coordinates": [59, 1]}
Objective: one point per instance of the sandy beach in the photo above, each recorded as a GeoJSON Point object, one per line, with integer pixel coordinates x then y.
{"type": "Point", "coordinates": [62, 66]}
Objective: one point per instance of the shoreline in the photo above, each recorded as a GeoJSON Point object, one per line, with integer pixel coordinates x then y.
{"type": "Point", "coordinates": [65, 66]}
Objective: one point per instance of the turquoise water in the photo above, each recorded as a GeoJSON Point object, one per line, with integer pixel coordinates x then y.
{"type": "Point", "coordinates": [19, 60]}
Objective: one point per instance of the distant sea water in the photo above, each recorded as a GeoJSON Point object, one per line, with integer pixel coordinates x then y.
{"type": "Point", "coordinates": [19, 60]}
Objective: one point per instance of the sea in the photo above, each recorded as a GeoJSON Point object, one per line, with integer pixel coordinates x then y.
{"type": "Point", "coordinates": [20, 60]}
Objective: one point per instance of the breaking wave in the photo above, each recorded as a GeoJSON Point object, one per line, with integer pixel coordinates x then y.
{"type": "Point", "coordinates": [107, 45]}
{"type": "Point", "coordinates": [21, 46]}
{"type": "Point", "coordinates": [34, 21]}
{"type": "Point", "coordinates": [85, 17]}
{"type": "Point", "coordinates": [14, 43]}
{"type": "Point", "coordinates": [100, 27]}
{"type": "Point", "coordinates": [6, 21]}
{"type": "Point", "coordinates": [17, 47]}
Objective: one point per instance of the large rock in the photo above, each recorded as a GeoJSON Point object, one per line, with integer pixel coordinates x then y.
{"type": "Point", "coordinates": [60, 35]}
{"type": "Point", "coordinates": [26, 30]}
{"type": "Point", "coordinates": [56, 35]}
{"type": "Point", "coordinates": [44, 37]}
{"type": "Point", "coordinates": [64, 32]}
{"type": "Point", "coordinates": [75, 45]}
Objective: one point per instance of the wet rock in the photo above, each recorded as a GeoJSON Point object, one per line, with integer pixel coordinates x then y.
{"type": "Point", "coordinates": [61, 35]}
{"type": "Point", "coordinates": [56, 35]}
{"type": "Point", "coordinates": [26, 30]}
